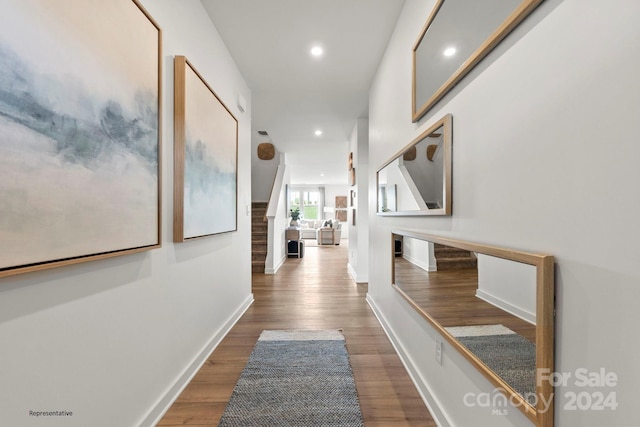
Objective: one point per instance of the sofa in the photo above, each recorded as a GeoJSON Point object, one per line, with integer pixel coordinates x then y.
{"type": "Point", "coordinates": [309, 228]}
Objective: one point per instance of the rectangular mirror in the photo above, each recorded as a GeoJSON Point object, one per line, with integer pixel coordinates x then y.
{"type": "Point", "coordinates": [417, 180]}
{"type": "Point", "coordinates": [455, 38]}
{"type": "Point", "coordinates": [494, 305]}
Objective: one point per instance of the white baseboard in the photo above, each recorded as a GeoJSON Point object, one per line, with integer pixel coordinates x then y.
{"type": "Point", "coordinates": [506, 306]}
{"type": "Point", "coordinates": [276, 267]}
{"type": "Point", "coordinates": [419, 262]}
{"type": "Point", "coordinates": [162, 406]}
{"type": "Point", "coordinates": [421, 385]}
{"type": "Point", "coordinates": [354, 275]}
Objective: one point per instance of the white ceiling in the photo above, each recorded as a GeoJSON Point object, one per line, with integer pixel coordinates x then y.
{"type": "Point", "coordinates": [293, 93]}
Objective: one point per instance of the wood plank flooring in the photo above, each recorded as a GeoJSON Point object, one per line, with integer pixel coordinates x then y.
{"type": "Point", "coordinates": [314, 292]}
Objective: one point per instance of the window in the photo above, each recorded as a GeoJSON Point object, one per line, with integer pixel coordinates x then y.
{"type": "Point", "coordinates": [308, 200]}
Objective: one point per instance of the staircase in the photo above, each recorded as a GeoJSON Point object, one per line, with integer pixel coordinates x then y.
{"type": "Point", "coordinates": [448, 258]}
{"type": "Point", "coordinates": [258, 236]}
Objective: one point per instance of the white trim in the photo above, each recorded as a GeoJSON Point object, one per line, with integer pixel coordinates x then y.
{"type": "Point", "coordinates": [156, 413]}
{"type": "Point", "coordinates": [419, 263]}
{"type": "Point", "coordinates": [355, 277]}
{"type": "Point", "coordinates": [278, 185]}
{"type": "Point", "coordinates": [413, 188]}
{"type": "Point", "coordinates": [276, 267]}
{"type": "Point", "coordinates": [432, 403]}
{"type": "Point", "coordinates": [507, 306]}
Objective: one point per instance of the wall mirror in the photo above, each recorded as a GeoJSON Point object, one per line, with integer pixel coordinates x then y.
{"type": "Point", "coordinates": [417, 180]}
{"type": "Point", "coordinates": [494, 305]}
{"type": "Point", "coordinates": [455, 38]}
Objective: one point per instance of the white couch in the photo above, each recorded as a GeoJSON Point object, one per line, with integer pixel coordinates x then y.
{"type": "Point", "coordinates": [309, 228]}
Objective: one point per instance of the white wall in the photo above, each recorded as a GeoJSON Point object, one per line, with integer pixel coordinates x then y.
{"type": "Point", "coordinates": [358, 265]}
{"type": "Point", "coordinates": [107, 340]}
{"type": "Point", "coordinates": [428, 174]}
{"type": "Point", "coordinates": [509, 285]}
{"type": "Point", "coordinates": [419, 252]}
{"type": "Point", "coordinates": [278, 220]}
{"type": "Point", "coordinates": [545, 159]}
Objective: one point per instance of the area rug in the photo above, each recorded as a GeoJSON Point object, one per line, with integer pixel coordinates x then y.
{"type": "Point", "coordinates": [511, 356]}
{"type": "Point", "coordinates": [295, 378]}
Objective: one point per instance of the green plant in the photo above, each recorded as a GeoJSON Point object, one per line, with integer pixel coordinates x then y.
{"type": "Point", "coordinates": [295, 214]}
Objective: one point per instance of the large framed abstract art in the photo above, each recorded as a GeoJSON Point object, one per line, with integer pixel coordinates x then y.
{"type": "Point", "coordinates": [79, 132]}
{"type": "Point", "coordinates": [205, 158]}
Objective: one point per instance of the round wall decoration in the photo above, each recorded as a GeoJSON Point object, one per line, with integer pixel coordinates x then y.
{"type": "Point", "coordinates": [266, 151]}
{"type": "Point", "coordinates": [410, 154]}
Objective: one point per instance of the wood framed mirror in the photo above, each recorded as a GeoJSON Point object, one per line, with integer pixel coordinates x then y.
{"type": "Point", "coordinates": [417, 179]}
{"type": "Point", "coordinates": [494, 305]}
{"type": "Point", "coordinates": [455, 38]}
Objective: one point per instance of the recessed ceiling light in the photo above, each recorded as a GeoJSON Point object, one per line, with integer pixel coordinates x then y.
{"type": "Point", "coordinates": [450, 51]}
{"type": "Point", "coordinates": [317, 51]}
{"type": "Point", "coordinates": [318, 132]}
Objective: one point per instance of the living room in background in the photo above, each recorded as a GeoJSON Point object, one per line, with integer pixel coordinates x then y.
{"type": "Point", "coordinates": [310, 201]}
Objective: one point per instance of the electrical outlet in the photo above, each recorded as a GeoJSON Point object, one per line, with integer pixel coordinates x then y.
{"type": "Point", "coordinates": [439, 352]}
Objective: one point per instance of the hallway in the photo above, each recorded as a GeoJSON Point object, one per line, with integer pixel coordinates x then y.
{"type": "Point", "coordinates": [314, 292]}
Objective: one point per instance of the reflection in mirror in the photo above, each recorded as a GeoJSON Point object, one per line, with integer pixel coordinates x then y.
{"type": "Point", "coordinates": [487, 302]}
{"type": "Point", "coordinates": [457, 35]}
{"type": "Point", "coordinates": [417, 180]}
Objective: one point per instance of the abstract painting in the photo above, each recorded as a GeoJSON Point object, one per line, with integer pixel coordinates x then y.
{"type": "Point", "coordinates": [205, 158]}
{"type": "Point", "coordinates": [79, 132]}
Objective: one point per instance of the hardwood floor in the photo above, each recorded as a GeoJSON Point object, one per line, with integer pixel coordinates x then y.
{"type": "Point", "coordinates": [314, 292]}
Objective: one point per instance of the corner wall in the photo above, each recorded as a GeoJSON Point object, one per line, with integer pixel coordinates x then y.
{"type": "Point", "coordinates": [109, 340]}
{"type": "Point", "coordinates": [359, 213]}
{"type": "Point", "coordinates": [545, 159]}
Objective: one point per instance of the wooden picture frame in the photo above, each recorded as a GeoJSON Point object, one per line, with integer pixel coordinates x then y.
{"type": "Point", "coordinates": [392, 189]}
{"type": "Point", "coordinates": [205, 158]}
{"type": "Point", "coordinates": [466, 26]}
{"type": "Point", "coordinates": [352, 177]}
{"type": "Point", "coordinates": [540, 411]}
{"type": "Point", "coordinates": [80, 135]}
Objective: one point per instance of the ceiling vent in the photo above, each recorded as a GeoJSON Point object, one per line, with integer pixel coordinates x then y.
{"type": "Point", "coordinates": [263, 132]}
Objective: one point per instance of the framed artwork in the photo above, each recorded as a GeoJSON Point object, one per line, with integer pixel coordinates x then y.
{"type": "Point", "coordinates": [80, 111]}
{"type": "Point", "coordinates": [205, 158]}
{"type": "Point", "coordinates": [352, 198]}
{"type": "Point", "coordinates": [352, 176]}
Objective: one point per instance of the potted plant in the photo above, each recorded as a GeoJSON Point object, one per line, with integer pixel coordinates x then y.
{"type": "Point", "coordinates": [295, 217]}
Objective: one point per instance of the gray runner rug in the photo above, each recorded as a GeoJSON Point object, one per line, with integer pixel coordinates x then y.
{"type": "Point", "coordinates": [295, 378]}
{"type": "Point", "coordinates": [511, 356]}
